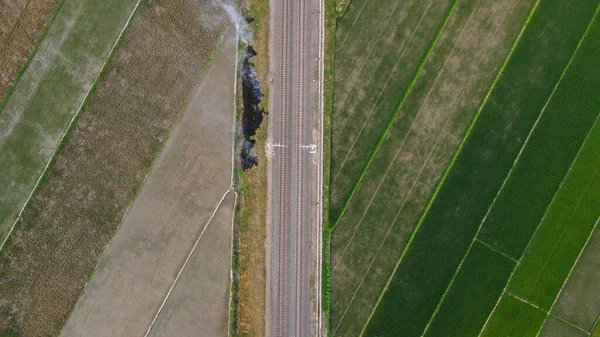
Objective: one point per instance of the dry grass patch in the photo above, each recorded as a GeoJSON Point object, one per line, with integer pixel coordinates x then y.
{"type": "Point", "coordinates": [22, 24]}
{"type": "Point", "coordinates": [102, 163]}
{"type": "Point", "coordinates": [252, 228]}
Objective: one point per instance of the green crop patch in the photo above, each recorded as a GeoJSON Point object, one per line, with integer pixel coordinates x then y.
{"type": "Point", "coordinates": [468, 188]}
{"type": "Point", "coordinates": [564, 230]}
{"type": "Point", "coordinates": [525, 319]}
{"type": "Point", "coordinates": [375, 61]}
{"type": "Point", "coordinates": [550, 151]}
{"type": "Point", "coordinates": [473, 294]}
{"type": "Point", "coordinates": [578, 301]}
{"type": "Point", "coordinates": [50, 92]}
{"type": "Point", "coordinates": [429, 124]}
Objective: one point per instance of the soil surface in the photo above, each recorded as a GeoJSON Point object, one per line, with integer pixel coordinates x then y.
{"type": "Point", "coordinates": [178, 198]}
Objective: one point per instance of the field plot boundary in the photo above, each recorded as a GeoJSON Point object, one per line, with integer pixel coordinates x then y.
{"type": "Point", "coordinates": [390, 122]}
{"type": "Point", "coordinates": [515, 162]}
{"type": "Point", "coordinates": [8, 92]}
{"type": "Point", "coordinates": [71, 122]}
{"type": "Point", "coordinates": [452, 161]}
{"type": "Point", "coordinates": [507, 293]}
{"type": "Point", "coordinates": [524, 301]}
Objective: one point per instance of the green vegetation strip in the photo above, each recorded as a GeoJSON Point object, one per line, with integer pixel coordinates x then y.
{"type": "Point", "coordinates": [563, 232]}
{"type": "Point", "coordinates": [596, 330]}
{"type": "Point", "coordinates": [390, 122]}
{"type": "Point", "coordinates": [331, 17]}
{"type": "Point", "coordinates": [472, 294]}
{"type": "Point", "coordinates": [526, 319]}
{"type": "Point", "coordinates": [488, 152]}
{"type": "Point", "coordinates": [50, 93]}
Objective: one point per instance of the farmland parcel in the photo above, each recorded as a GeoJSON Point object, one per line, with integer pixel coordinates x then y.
{"type": "Point", "coordinates": [426, 122]}
{"type": "Point", "coordinates": [22, 25]}
{"type": "Point", "coordinates": [102, 163]}
{"type": "Point", "coordinates": [519, 149]}
{"type": "Point", "coordinates": [50, 92]}
{"type": "Point", "coordinates": [174, 209]}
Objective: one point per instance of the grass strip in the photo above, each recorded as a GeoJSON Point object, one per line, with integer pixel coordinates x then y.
{"type": "Point", "coordinates": [390, 122]}
{"type": "Point", "coordinates": [331, 17]}
{"type": "Point", "coordinates": [252, 185]}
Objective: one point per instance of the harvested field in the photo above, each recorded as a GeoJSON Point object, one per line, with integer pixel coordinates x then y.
{"type": "Point", "coordinates": [200, 300]}
{"type": "Point", "coordinates": [431, 118]}
{"type": "Point", "coordinates": [557, 328]}
{"type": "Point", "coordinates": [493, 152]}
{"type": "Point", "coordinates": [578, 302]}
{"type": "Point", "coordinates": [108, 152]}
{"type": "Point", "coordinates": [22, 25]}
{"type": "Point", "coordinates": [50, 92]}
{"type": "Point", "coordinates": [184, 188]}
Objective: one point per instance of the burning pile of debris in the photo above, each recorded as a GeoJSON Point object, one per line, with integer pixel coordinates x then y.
{"type": "Point", "coordinates": [252, 115]}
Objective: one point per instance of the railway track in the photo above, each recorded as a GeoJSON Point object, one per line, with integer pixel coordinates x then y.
{"type": "Point", "coordinates": [299, 168]}
{"type": "Point", "coordinates": [281, 222]}
{"type": "Point", "coordinates": [291, 300]}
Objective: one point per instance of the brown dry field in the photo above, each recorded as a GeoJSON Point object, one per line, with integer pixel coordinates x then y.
{"type": "Point", "coordinates": [22, 24]}
{"type": "Point", "coordinates": [555, 328]}
{"type": "Point", "coordinates": [99, 168]}
{"type": "Point", "coordinates": [200, 300]}
{"type": "Point", "coordinates": [578, 302]}
{"type": "Point", "coordinates": [253, 219]}
{"type": "Point", "coordinates": [187, 182]}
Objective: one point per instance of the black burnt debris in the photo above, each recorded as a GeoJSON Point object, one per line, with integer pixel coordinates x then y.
{"type": "Point", "coordinates": [252, 115]}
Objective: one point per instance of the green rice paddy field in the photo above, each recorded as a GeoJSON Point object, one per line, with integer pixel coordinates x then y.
{"type": "Point", "coordinates": [465, 169]}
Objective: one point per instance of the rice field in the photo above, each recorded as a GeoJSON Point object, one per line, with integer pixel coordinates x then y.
{"type": "Point", "coordinates": [471, 213]}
